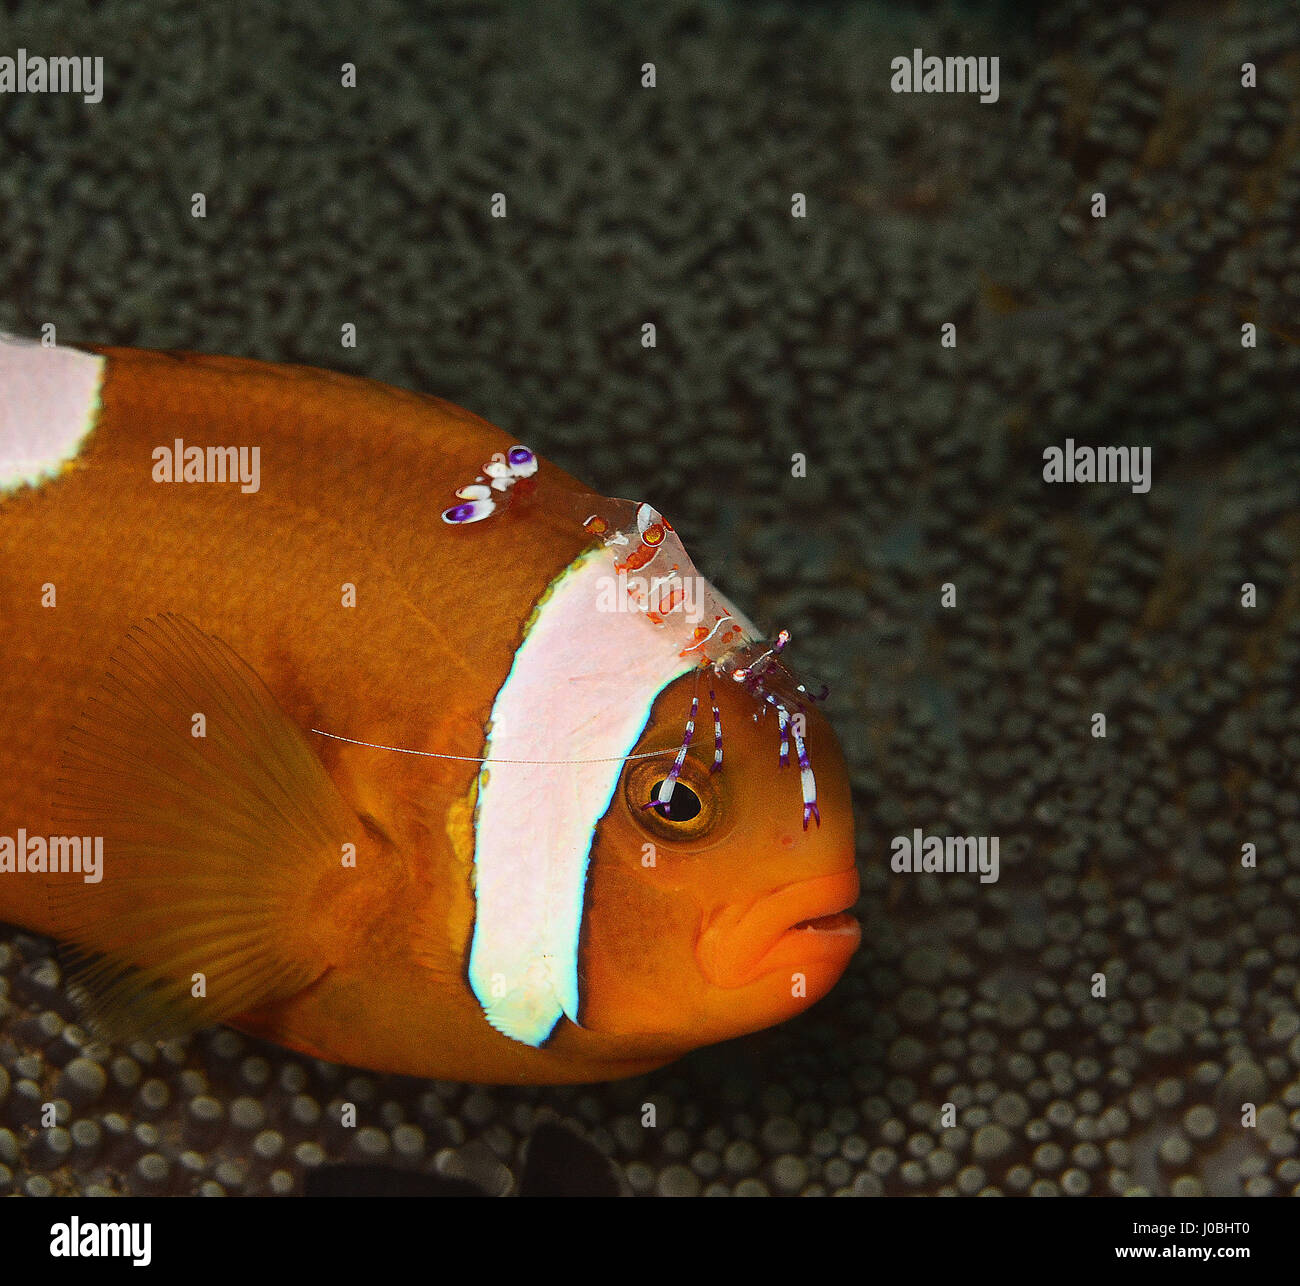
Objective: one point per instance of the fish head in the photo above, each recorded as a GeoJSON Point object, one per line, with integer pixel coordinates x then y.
{"type": "Point", "coordinates": [625, 878]}
{"type": "Point", "coordinates": [722, 913]}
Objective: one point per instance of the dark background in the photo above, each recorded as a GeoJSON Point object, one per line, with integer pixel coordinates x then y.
{"type": "Point", "coordinates": [778, 335]}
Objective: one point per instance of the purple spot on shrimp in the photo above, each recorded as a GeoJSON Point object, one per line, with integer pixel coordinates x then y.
{"type": "Point", "coordinates": [521, 461]}
{"type": "Point", "coordinates": [470, 511]}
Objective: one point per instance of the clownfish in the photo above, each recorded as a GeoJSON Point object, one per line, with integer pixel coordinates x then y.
{"type": "Point", "coordinates": [330, 712]}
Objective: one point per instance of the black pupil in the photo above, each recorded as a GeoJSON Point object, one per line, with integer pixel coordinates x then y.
{"type": "Point", "coordinates": [683, 805]}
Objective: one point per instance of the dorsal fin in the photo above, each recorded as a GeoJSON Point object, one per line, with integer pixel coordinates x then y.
{"type": "Point", "coordinates": [221, 851]}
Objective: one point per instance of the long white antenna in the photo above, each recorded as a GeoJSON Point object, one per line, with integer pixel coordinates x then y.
{"type": "Point", "coordinates": [477, 759]}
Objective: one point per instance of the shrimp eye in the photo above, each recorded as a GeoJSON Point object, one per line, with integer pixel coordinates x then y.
{"type": "Point", "coordinates": [683, 806]}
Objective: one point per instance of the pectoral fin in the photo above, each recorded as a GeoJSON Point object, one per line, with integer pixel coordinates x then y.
{"type": "Point", "coordinates": [222, 840]}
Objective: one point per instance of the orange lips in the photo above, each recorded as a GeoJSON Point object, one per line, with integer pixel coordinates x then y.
{"type": "Point", "coordinates": [796, 925]}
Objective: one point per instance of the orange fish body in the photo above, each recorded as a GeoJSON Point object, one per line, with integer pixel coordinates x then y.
{"type": "Point", "coordinates": [174, 654]}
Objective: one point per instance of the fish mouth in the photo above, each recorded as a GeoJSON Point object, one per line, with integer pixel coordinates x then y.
{"type": "Point", "coordinates": [800, 925]}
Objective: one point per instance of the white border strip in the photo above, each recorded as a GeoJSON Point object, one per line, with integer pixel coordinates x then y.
{"type": "Point", "coordinates": [49, 401]}
{"type": "Point", "coordinates": [581, 687]}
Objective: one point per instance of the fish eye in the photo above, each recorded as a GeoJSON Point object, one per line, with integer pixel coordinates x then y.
{"type": "Point", "coordinates": [693, 810]}
{"type": "Point", "coordinates": [683, 804]}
